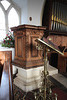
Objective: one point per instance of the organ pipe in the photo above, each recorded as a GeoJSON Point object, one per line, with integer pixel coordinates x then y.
{"type": "Point", "coordinates": [59, 17]}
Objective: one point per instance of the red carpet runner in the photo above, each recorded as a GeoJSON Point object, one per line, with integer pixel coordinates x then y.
{"type": "Point", "coordinates": [62, 95]}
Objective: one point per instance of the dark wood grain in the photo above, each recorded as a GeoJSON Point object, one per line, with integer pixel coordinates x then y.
{"type": "Point", "coordinates": [6, 84]}
{"type": "Point", "coordinates": [26, 54]}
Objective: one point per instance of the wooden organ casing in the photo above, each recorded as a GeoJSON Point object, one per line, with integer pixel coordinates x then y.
{"type": "Point", "coordinates": [55, 18]}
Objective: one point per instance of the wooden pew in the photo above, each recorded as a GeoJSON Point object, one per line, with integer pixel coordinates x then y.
{"type": "Point", "coordinates": [6, 83]}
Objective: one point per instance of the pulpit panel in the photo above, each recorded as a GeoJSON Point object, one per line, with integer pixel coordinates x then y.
{"type": "Point", "coordinates": [34, 51]}
{"type": "Point", "coordinates": [19, 46]}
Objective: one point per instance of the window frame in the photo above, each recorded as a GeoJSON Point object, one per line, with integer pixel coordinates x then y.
{"type": "Point", "coordinates": [6, 13]}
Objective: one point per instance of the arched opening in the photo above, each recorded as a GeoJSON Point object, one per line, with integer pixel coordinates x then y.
{"type": "Point", "coordinates": [5, 4]}
{"type": "Point", "coordinates": [9, 17]}
{"type": "Point", "coordinates": [13, 19]}
{"type": "Point", "coordinates": [2, 24]}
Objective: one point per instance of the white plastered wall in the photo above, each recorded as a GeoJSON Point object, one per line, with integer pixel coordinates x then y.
{"type": "Point", "coordinates": [31, 8]}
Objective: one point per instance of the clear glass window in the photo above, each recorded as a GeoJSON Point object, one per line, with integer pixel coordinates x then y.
{"type": "Point", "coordinates": [5, 4]}
{"type": "Point", "coordinates": [2, 24]}
{"type": "Point", "coordinates": [13, 19]}
{"type": "Point", "coordinates": [8, 18]}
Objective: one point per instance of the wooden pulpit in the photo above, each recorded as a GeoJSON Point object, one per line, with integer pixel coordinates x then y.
{"type": "Point", "coordinates": [26, 54]}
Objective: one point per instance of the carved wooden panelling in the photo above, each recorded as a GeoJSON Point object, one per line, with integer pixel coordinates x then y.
{"type": "Point", "coordinates": [26, 54]}
{"type": "Point", "coordinates": [27, 46]}
{"type": "Point", "coordinates": [15, 46]}
{"type": "Point", "coordinates": [50, 38]}
{"type": "Point", "coordinates": [19, 46]}
{"type": "Point", "coordinates": [64, 40]}
{"type": "Point", "coordinates": [34, 51]}
{"type": "Point", "coordinates": [58, 40]}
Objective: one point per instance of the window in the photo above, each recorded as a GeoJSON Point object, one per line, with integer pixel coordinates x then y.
{"type": "Point", "coordinates": [13, 18]}
{"type": "Point", "coordinates": [2, 24]}
{"type": "Point", "coordinates": [5, 4]}
{"type": "Point", "coordinates": [9, 17]}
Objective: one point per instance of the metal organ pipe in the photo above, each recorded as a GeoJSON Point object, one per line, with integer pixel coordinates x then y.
{"type": "Point", "coordinates": [59, 17]}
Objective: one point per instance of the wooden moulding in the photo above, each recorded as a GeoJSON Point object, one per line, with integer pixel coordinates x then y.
{"type": "Point", "coordinates": [20, 27]}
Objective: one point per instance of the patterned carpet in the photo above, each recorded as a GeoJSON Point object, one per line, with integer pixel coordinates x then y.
{"type": "Point", "coordinates": [62, 95]}
{"type": "Point", "coordinates": [19, 94]}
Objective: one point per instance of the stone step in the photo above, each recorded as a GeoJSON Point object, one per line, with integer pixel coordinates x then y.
{"type": "Point", "coordinates": [52, 70]}
{"type": "Point", "coordinates": [61, 79]}
{"type": "Point", "coordinates": [30, 79]}
{"type": "Point", "coordinates": [26, 86]}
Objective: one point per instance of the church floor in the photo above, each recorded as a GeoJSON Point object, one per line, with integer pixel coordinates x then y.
{"type": "Point", "coordinates": [65, 74]}
{"type": "Point", "coordinates": [57, 88]}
